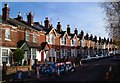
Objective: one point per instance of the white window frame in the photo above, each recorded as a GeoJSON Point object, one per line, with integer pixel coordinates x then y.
{"type": "Point", "coordinates": [34, 38]}
{"type": "Point", "coordinates": [7, 34]}
{"type": "Point", "coordinates": [33, 53]}
{"type": "Point", "coordinates": [73, 42]}
{"type": "Point", "coordinates": [8, 54]}
{"type": "Point", "coordinates": [27, 36]}
{"type": "Point", "coordinates": [63, 40]}
{"type": "Point", "coordinates": [63, 53]}
{"type": "Point", "coordinates": [50, 38]}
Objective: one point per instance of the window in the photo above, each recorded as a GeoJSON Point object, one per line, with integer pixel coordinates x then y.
{"type": "Point", "coordinates": [50, 39]}
{"type": "Point", "coordinates": [73, 52]}
{"type": "Point", "coordinates": [34, 53]}
{"type": "Point", "coordinates": [27, 36]}
{"type": "Point", "coordinates": [63, 41]}
{"type": "Point", "coordinates": [63, 53]}
{"type": "Point", "coordinates": [34, 38]}
{"type": "Point", "coordinates": [73, 42]}
{"type": "Point", "coordinates": [51, 52]}
{"type": "Point", "coordinates": [7, 33]}
{"type": "Point", "coordinates": [4, 55]}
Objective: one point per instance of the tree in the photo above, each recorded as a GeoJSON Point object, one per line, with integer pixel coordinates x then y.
{"type": "Point", "coordinates": [18, 55]}
{"type": "Point", "coordinates": [112, 11]}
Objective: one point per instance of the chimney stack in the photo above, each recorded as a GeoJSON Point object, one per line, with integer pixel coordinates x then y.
{"type": "Point", "coordinates": [47, 23]}
{"type": "Point", "coordinates": [68, 29]}
{"type": "Point", "coordinates": [59, 27]}
{"type": "Point", "coordinates": [76, 31]}
{"type": "Point", "coordinates": [82, 33]}
{"type": "Point", "coordinates": [91, 37]}
{"type": "Point", "coordinates": [5, 12]}
{"type": "Point", "coordinates": [30, 18]}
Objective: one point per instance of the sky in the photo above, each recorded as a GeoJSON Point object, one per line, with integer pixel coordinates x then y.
{"type": "Point", "coordinates": [86, 16]}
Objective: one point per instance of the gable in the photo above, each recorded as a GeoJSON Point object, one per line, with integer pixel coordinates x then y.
{"type": "Point", "coordinates": [75, 37]}
{"type": "Point", "coordinates": [65, 35]}
{"type": "Point", "coordinates": [53, 32]}
{"type": "Point", "coordinates": [46, 47]}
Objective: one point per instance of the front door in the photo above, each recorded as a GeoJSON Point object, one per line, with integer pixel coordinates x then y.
{"type": "Point", "coordinates": [42, 56]}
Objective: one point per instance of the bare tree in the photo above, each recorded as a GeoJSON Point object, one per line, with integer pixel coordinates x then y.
{"type": "Point", "coordinates": [112, 11]}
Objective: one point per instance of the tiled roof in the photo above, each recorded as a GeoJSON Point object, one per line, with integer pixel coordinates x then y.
{"type": "Point", "coordinates": [62, 33]}
{"type": "Point", "coordinates": [30, 45]}
{"type": "Point", "coordinates": [72, 35]}
{"type": "Point", "coordinates": [48, 30]}
{"type": "Point", "coordinates": [43, 44]}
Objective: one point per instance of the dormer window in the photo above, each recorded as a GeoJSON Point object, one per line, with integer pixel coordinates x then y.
{"type": "Point", "coordinates": [51, 38]}
{"type": "Point", "coordinates": [27, 36]}
{"type": "Point", "coordinates": [73, 42]}
{"type": "Point", "coordinates": [63, 41]}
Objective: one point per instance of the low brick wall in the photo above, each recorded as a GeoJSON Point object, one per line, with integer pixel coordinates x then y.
{"type": "Point", "coordinates": [13, 69]}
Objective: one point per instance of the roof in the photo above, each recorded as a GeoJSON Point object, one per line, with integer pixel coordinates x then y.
{"type": "Point", "coordinates": [30, 45]}
{"type": "Point", "coordinates": [62, 33]}
{"type": "Point", "coordinates": [22, 23]}
{"type": "Point", "coordinates": [48, 30]}
{"type": "Point", "coordinates": [72, 35]}
{"type": "Point", "coordinates": [43, 44]}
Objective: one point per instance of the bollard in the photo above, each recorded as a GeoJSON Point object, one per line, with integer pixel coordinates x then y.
{"type": "Point", "coordinates": [58, 72]}
{"type": "Point", "coordinates": [38, 75]}
{"type": "Point", "coordinates": [74, 64]}
{"type": "Point", "coordinates": [107, 75]}
{"type": "Point", "coordinates": [29, 74]}
{"type": "Point", "coordinates": [19, 76]}
{"type": "Point", "coordinates": [110, 68]}
{"type": "Point", "coordinates": [80, 63]}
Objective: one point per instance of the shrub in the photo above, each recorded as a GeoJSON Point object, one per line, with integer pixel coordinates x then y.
{"type": "Point", "coordinates": [18, 55]}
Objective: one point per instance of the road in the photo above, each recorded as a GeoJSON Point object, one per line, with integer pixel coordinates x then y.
{"type": "Point", "coordinates": [96, 70]}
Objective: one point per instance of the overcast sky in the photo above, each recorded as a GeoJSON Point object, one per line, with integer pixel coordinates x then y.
{"type": "Point", "coordinates": [86, 16]}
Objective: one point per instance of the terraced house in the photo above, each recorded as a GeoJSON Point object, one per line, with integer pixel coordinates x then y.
{"type": "Point", "coordinates": [44, 42]}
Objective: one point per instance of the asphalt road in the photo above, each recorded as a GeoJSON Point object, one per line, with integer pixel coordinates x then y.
{"type": "Point", "coordinates": [96, 70]}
